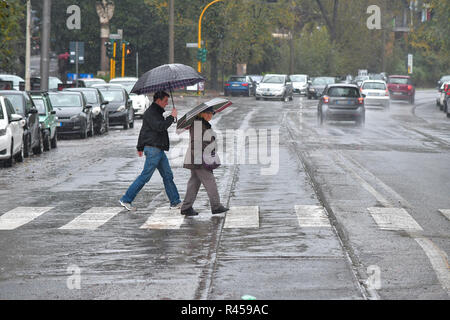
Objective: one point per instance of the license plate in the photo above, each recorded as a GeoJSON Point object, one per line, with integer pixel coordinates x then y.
{"type": "Point", "coordinates": [235, 85]}
{"type": "Point", "coordinates": [344, 102]}
{"type": "Point", "coordinates": [60, 124]}
{"type": "Point", "coordinates": [397, 93]}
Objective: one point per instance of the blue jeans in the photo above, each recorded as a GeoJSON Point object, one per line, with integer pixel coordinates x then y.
{"type": "Point", "coordinates": [155, 159]}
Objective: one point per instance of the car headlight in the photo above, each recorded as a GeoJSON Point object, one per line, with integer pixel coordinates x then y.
{"type": "Point", "coordinates": [312, 89]}
{"type": "Point", "coordinates": [2, 132]}
{"type": "Point", "coordinates": [121, 108]}
{"type": "Point", "coordinates": [96, 111]}
{"type": "Point", "coordinates": [75, 117]}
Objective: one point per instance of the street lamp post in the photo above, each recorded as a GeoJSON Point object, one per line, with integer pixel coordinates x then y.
{"type": "Point", "coordinates": [200, 31]}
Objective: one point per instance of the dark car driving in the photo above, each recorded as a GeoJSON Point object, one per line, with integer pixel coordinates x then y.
{"type": "Point", "coordinates": [342, 102]}
{"type": "Point", "coordinates": [240, 85]}
{"type": "Point", "coordinates": [73, 113]}
{"type": "Point", "coordinates": [402, 88]}
{"type": "Point", "coordinates": [24, 106]}
{"type": "Point", "coordinates": [100, 112]}
{"type": "Point", "coordinates": [120, 106]}
{"type": "Point", "coordinates": [317, 86]}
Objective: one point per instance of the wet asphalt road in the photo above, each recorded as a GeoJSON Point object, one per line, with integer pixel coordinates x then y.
{"type": "Point", "coordinates": [400, 162]}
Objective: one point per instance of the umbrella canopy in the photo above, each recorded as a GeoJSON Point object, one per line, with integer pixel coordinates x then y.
{"type": "Point", "coordinates": [167, 77]}
{"type": "Point", "coordinates": [187, 120]}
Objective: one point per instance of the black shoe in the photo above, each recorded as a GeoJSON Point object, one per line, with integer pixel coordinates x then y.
{"type": "Point", "coordinates": [189, 212]}
{"type": "Point", "coordinates": [221, 209]}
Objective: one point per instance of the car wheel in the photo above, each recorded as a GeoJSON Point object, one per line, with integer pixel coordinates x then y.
{"type": "Point", "coordinates": [126, 125]}
{"type": "Point", "coordinates": [54, 142]}
{"type": "Point", "coordinates": [320, 120]}
{"type": "Point", "coordinates": [84, 132]}
{"type": "Point", "coordinates": [107, 124]}
{"type": "Point", "coordinates": [361, 121]}
{"type": "Point", "coordinates": [9, 162]}
{"type": "Point", "coordinates": [226, 93]}
{"type": "Point", "coordinates": [47, 142]}
{"type": "Point", "coordinates": [448, 114]}
{"type": "Point", "coordinates": [40, 148]}
{"type": "Point", "coordinates": [91, 129]}
{"type": "Point", "coordinates": [26, 146]}
{"type": "Point", "coordinates": [411, 101]}
{"type": "Point", "coordinates": [257, 99]}
{"type": "Point", "coordinates": [309, 97]}
{"type": "Point", "coordinates": [19, 157]}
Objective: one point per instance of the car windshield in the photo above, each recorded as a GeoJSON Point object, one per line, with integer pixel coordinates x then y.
{"type": "Point", "coordinates": [342, 92]}
{"type": "Point", "coordinates": [398, 80]}
{"type": "Point", "coordinates": [14, 79]}
{"type": "Point", "coordinates": [128, 85]}
{"type": "Point", "coordinates": [40, 105]}
{"type": "Point", "coordinates": [17, 102]}
{"type": "Point", "coordinates": [62, 100]}
{"type": "Point", "coordinates": [257, 78]}
{"type": "Point", "coordinates": [113, 95]}
{"type": "Point", "coordinates": [273, 79]}
{"type": "Point", "coordinates": [298, 78]}
{"type": "Point", "coordinates": [323, 81]}
{"type": "Point", "coordinates": [374, 86]}
{"type": "Point", "coordinates": [237, 79]}
{"type": "Point", "coordinates": [362, 78]}
{"type": "Point", "coordinates": [53, 83]}
{"type": "Point", "coordinates": [91, 96]}
{"type": "Point", "coordinates": [446, 78]}
{"type": "Point", "coordinates": [91, 83]}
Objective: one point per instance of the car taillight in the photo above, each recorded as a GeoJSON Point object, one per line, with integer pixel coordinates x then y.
{"type": "Point", "coordinates": [245, 84]}
{"type": "Point", "coordinates": [227, 84]}
{"type": "Point", "coordinates": [387, 93]}
{"type": "Point", "coordinates": [360, 100]}
{"type": "Point", "coordinates": [410, 87]}
{"type": "Point", "coordinates": [446, 87]}
{"type": "Point", "coordinates": [326, 99]}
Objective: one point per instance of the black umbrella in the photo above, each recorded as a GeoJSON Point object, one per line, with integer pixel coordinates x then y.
{"type": "Point", "coordinates": [167, 77]}
{"type": "Point", "coordinates": [217, 105]}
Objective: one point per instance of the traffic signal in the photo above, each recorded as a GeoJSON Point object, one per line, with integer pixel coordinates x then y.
{"type": "Point", "coordinates": [204, 52]}
{"type": "Point", "coordinates": [128, 49]}
{"type": "Point", "coordinates": [110, 48]}
{"type": "Point", "coordinates": [199, 54]}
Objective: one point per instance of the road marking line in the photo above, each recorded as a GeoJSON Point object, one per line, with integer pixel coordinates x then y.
{"type": "Point", "coordinates": [446, 213]}
{"type": "Point", "coordinates": [92, 219]}
{"type": "Point", "coordinates": [439, 261]}
{"type": "Point", "coordinates": [21, 215]}
{"type": "Point", "coordinates": [164, 218]}
{"type": "Point", "coordinates": [394, 219]}
{"type": "Point", "coordinates": [312, 217]}
{"type": "Point", "coordinates": [242, 217]}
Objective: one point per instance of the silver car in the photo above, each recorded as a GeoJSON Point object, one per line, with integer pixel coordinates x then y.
{"type": "Point", "coordinates": [300, 83]}
{"type": "Point", "coordinates": [376, 93]}
{"type": "Point", "coordinates": [275, 86]}
{"type": "Point", "coordinates": [342, 102]}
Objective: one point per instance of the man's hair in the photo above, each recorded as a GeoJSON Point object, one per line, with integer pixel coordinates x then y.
{"type": "Point", "coordinates": [160, 95]}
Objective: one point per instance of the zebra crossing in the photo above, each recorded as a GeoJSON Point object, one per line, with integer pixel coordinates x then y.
{"type": "Point", "coordinates": [243, 217]}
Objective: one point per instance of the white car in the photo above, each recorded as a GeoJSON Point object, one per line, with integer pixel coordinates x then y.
{"type": "Point", "coordinates": [127, 82]}
{"type": "Point", "coordinates": [300, 83]}
{"type": "Point", "coordinates": [376, 92]}
{"type": "Point", "coordinates": [11, 133]}
{"type": "Point", "coordinates": [15, 79]}
{"type": "Point", "coordinates": [275, 86]}
{"type": "Point", "coordinates": [440, 101]}
{"type": "Point", "coordinates": [140, 104]}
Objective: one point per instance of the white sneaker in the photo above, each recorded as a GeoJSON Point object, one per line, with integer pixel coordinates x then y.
{"type": "Point", "coordinates": [178, 206]}
{"type": "Point", "coordinates": [127, 206]}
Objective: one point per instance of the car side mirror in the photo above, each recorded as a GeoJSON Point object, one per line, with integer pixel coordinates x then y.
{"type": "Point", "coordinates": [53, 112]}
{"type": "Point", "coordinates": [364, 95]}
{"type": "Point", "coordinates": [33, 111]}
{"type": "Point", "coordinates": [105, 103]}
{"type": "Point", "coordinates": [15, 118]}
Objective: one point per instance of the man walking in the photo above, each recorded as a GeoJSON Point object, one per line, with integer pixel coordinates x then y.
{"type": "Point", "coordinates": [153, 141]}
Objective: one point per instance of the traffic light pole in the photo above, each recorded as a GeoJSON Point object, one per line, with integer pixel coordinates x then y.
{"type": "Point", "coordinates": [123, 59]}
{"type": "Point", "coordinates": [113, 71]}
{"type": "Point", "coordinates": [199, 67]}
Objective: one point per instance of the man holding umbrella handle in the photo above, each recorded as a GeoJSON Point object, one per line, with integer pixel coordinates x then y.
{"type": "Point", "coordinates": [153, 142]}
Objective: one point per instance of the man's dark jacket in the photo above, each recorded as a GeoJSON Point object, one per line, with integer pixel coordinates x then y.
{"type": "Point", "coordinates": [154, 129]}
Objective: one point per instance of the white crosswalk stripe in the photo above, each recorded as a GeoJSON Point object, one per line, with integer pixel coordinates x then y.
{"type": "Point", "coordinates": [20, 216]}
{"type": "Point", "coordinates": [312, 217]}
{"type": "Point", "coordinates": [242, 217]}
{"type": "Point", "coordinates": [394, 219]}
{"type": "Point", "coordinates": [92, 219]}
{"type": "Point", "coordinates": [164, 218]}
{"type": "Point", "coordinates": [445, 212]}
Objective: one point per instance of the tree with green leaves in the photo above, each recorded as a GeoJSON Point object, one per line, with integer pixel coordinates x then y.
{"type": "Point", "coordinates": [12, 36]}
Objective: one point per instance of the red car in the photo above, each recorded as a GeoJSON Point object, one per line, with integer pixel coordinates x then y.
{"type": "Point", "coordinates": [402, 88]}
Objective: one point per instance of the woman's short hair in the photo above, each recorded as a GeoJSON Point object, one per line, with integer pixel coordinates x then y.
{"type": "Point", "coordinates": [160, 95]}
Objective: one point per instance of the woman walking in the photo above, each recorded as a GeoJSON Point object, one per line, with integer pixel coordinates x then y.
{"type": "Point", "coordinates": [201, 160]}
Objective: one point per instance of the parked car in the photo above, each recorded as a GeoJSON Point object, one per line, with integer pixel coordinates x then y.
{"type": "Point", "coordinates": [100, 112]}
{"type": "Point", "coordinates": [275, 86]}
{"type": "Point", "coordinates": [300, 83]}
{"type": "Point", "coordinates": [91, 81]}
{"type": "Point", "coordinates": [127, 82]}
{"type": "Point", "coordinates": [401, 88]}
{"type": "Point", "coordinates": [441, 100]}
{"type": "Point", "coordinates": [15, 79]}
{"type": "Point", "coordinates": [447, 104]}
{"type": "Point", "coordinates": [140, 103]}
{"type": "Point", "coordinates": [35, 83]}
{"type": "Point", "coordinates": [360, 79]}
{"type": "Point", "coordinates": [240, 85]}
{"type": "Point", "coordinates": [440, 82]}
{"type": "Point", "coordinates": [11, 134]}
{"type": "Point", "coordinates": [73, 113]}
{"type": "Point", "coordinates": [342, 102]}
{"type": "Point", "coordinates": [24, 106]}
{"type": "Point", "coordinates": [47, 119]}
{"type": "Point", "coordinates": [376, 93]}
{"type": "Point", "coordinates": [120, 105]}
{"type": "Point", "coordinates": [317, 86]}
